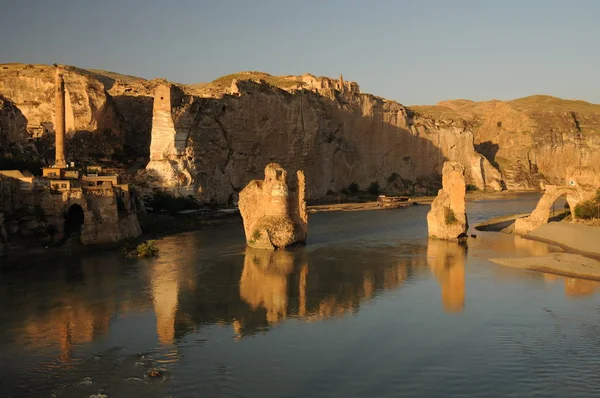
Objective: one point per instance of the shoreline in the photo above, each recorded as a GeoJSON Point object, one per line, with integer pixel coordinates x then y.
{"type": "Point", "coordinates": [581, 256]}
{"type": "Point", "coordinates": [159, 225]}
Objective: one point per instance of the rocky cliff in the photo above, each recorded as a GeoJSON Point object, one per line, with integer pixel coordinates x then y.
{"type": "Point", "coordinates": [228, 130]}
{"type": "Point", "coordinates": [13, 125]}
{"type": "Point", "coordinates": [532, 140]}
{"type": "Point", "coordinates": [327, 128]}
{"type": "Point", "coordinates": [89, 109]}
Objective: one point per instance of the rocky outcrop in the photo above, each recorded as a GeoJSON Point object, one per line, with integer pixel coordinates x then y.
{"type": "Point", "coordinates": [274, 212]}
{"type": "Point", "coordinates": [533, 140]}
{"type": "Point", "coordinates": [447, 218]}
{"type": "Point", "coordinates": [13, 125]}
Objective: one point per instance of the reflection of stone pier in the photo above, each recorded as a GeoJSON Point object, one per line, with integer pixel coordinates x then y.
{"type": "Point", "coordinates": [165, 297]}
{"type": "Point", "coordinates": [447, 262]}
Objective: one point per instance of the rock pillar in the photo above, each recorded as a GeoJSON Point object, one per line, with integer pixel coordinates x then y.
{"type": "Point", "coordinates": [274, 218]}
{"type": "Point", "coordinates": [59, 122]}
{"type": "Point", "coordinates": [447, 218]}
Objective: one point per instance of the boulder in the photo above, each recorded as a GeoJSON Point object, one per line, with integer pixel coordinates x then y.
{"type": "Point", "coordinates": [447, 218]}
{"type": "Point", "coordinates": [274, 213]}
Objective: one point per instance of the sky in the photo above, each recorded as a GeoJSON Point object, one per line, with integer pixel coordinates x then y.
{"type": "Point", "coordinates": [414, 52]}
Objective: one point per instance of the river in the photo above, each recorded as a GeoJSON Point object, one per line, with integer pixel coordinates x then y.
{"type": "Point", "coordinates": [369, 307]}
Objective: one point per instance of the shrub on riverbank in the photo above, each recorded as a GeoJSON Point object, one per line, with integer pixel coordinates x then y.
{"type": "Point", "coordinates": [589, 209]}
{"type": "Point", "coordinates": [145, 249]}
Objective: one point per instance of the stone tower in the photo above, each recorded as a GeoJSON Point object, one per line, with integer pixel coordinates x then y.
{"type": "Point", "coordinates": [162, 145]}
{"type": "Point", "coordinates": [59, 125]}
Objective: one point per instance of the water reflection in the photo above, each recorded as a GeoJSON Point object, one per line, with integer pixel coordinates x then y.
{"type": "Point", "coordinates": [574, 287]}
{"type": "Point", "coordinates": [66, 311]}
{"type": "Point", "coordinates": [165, 296]}
{"type": "Point", "coordinates": [264, 281]}
{"type": "Point", "coordinates": [447, 262]}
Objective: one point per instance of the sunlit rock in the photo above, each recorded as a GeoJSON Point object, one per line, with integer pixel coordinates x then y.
{"type": "Point", "coordinates": [447, 218]}
{"type": "Point", "coordinates": [274, 213]}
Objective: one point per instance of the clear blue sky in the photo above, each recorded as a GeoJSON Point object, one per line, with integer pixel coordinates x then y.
{"type": "Point", "coordinates": [415, 52]}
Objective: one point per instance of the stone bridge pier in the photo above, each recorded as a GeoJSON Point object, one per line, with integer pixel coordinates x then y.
{"type": "Point", "coordinates": [541, 213]}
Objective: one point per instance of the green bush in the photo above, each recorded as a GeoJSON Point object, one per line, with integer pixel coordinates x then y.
{"type": "Point", "coordinates": [144, 249]}
{"type": "Point", "coordinates": [374, 188]}
{"type": "Point", "coordinates": [353, 188]}
{"type": "Point", "coordinates": [450, 217]}
{"type": "Point", "coordinates": [589, 209]}
{"type": "Point", "coordinates": [471, 187]}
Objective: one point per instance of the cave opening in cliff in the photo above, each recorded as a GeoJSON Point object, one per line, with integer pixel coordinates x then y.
{"type": "Point", "coordinates": [73, 221]}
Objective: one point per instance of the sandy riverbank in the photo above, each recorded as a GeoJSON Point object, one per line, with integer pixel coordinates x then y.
{"type": "Point", "coordinates": [419, 200]}
{"type": "Point", "coordinates": [581, 243]}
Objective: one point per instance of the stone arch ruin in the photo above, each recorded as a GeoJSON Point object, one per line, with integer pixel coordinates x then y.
{"type": "Point", "coordinates": [541, 213]}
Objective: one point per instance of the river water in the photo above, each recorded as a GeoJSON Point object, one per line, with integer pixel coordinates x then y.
{"type": "Point", "coordinates": [369, 307]}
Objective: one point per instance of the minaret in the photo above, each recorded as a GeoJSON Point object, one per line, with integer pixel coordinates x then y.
{"type": "Point", "coordinates": [59, 126]}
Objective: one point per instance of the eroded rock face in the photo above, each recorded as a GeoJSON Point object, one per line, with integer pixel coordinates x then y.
{"type": "Point", "coordinates": [31, 89]}
{"type": "Point", "coordinates": [13, 125]}
{"type": "Point", "coordinates": [326, 127]}
{"type": "Point", "coordinates": [447, 218]}
{"type": "Point", "coordinates": [533, 140]}
{"type": "Point", "coordinates": [274, 214]}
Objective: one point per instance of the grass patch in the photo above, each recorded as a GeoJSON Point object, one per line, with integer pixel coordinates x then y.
{"type": "Point", "coordinates": [589, 209]}
{"type": "Point", "coordinates": [277, 81]}
{"type": "Point", "coordinates": [145, 249]}
{"type": "Point", "coordinates": [449, 216]}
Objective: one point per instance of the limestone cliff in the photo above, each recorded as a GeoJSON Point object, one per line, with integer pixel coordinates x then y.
{"type": "Point", "coordinates": [327, 128]}
{"type": "Point", "coordinates": [89, 109]}
{"type": "Point", "coordinates": [13, 125]}
{"type": "Point", "coordinates": [533, 140]}
{"type": "Point", "coordinates": [225, 132]}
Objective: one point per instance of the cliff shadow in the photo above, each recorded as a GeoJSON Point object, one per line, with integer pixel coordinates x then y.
{"type": "Point", "coordinates": [489, 150]}
{"type": "Point", "coordinates": [137, 114]}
